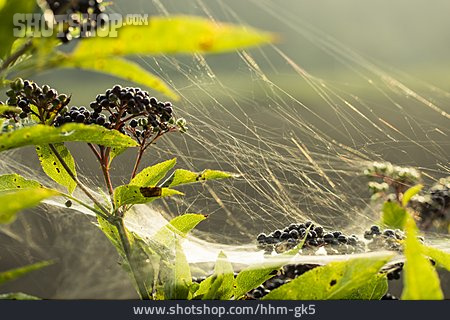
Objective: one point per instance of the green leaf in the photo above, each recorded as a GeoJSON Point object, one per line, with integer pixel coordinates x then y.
{"type": "Point", "coordinates": [174, 34]}
{"type": "Point", "coordinates": [394, 216]}
{"type": "Point", "coordinates": [53, 167]}
{"type": "Point", "coordinates": [440, 257]}
{"type": "Point", "coordinates": [7, 12]}
{"type": "Point", "coordinates": [121, 68]}
{"type": "Point", "coordinates": [4, 109]}
{"type": "Point", "coordinates": [181, 176]}
{"type": "Point", "coordinates": [15, 181]}
{"type": "Point", "coordinates": [17, 296]}
{"type": "Point", "coordinates": [41, 134]}
{"type": "Point", "coordinates": [128, 194]}
{"type": "Point", "coordinates": [149, 177]}
{"type": "Point", "coordinates": [421, 281]}
{"type": "Point", "coordinates": [17, 200]}
{"type": "Point", "coordinates": [373, 289]}
{"type": "Point", "coordinates": [116, 151]}
{"type": "Point", "coordinates": [111, 233]}
{"type": "Point", "coordinates": [336, 280]}
{"type": "Point", "coordinates": [224, 276]}
{"type": "Point", "coordinates": [180, 226]}
{"type": "Point", "coordinates": [254, 275]}
{"type": "Point", "coordinates": [19, 272]}
{"type": "Point", "coordinates": [177, 279]}
{"type": "Point", "coordinates": [411, 192]}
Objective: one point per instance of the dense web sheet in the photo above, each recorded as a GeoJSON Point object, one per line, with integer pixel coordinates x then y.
{"type": "Point", "coordinates": [299, 141]}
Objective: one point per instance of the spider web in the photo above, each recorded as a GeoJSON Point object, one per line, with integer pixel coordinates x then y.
{"type": "Point", "coordinates": [299, 141]}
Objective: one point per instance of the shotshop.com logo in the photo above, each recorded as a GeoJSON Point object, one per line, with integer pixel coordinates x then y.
{"type": "Point", "coordinates": [82, 25]}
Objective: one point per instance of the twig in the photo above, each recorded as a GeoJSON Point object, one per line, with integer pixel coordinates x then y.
{"type": "Point", "coordinates": [74, 178]}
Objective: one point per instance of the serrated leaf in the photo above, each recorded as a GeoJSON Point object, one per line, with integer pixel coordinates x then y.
{"type": "Point", "coordinates": [53, 167]}
{"type": "Point", "coordinates": [121, 68]}
{"type": "Point", "coordinates": [180, 226]}
{"type": "Point", "coordinates": [174, 34]}
{"type": "Point", "coordinates": [223, 274]}
{"type": "Point", "coordinates": [7, 12]}
{"type": "Point", "coordinates": [19, 272]}
{"type": "Point", "coordinates": [181, 176]}
{"type": "Point", "coordinates": [17, 296]}
{"type": "Point", "coordinates": [440, 257]}
{"type": "Point", "coordinates": [41, 134]}
{"type": "Point", "coordinates": [149, 177]}
{"type": "Point", "coordinates": [393, 215]}
{"type": "Point", "coordinates": [15, 181]}
{"type": "Point", "coordinates": [128, 194]}
{"type": "Point", "coordinates": [254, 275]}
{"type": "Point", "coordinates": [14, 201]}
{"type": "Point", "coordinates": [336, 280]}
{"type": "Point", "coordinates": [421, 281]}
{"type": "Point", "coordinates": [411, 192]}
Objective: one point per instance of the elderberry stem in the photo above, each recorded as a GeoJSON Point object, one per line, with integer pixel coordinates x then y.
{"type": "Point", "coordinates": [142, 290]}
{"type": "Point", "coordinates": [74, 178]}
{"type": "Point", "coordinates": [104, 163]}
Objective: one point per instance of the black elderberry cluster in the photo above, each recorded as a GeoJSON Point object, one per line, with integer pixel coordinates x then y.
{"type": "Point", "coordinates": [42, 102]}
{"type": "Point", "coordinates": [387, 239]}
{"type": "Point", "coordinates": [131, 111]}
{"type": "Point", "coordinates": [433, 205]}
{"type": "Point", "coordinates": [334, 242]}
{"type": "Point", "coordinates": [82, 15]}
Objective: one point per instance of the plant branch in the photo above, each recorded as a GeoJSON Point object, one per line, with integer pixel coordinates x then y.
{"type": "Point", "coordinates": [142, 290]}
{"type": "Point", "coordinates": [100, 213]}
{"type": "Point", "coordinates": [95, 151]}
{"type": "Point", "coordinates": [74, 178]}
{"type": "Point", "coordinates": [104, 163]}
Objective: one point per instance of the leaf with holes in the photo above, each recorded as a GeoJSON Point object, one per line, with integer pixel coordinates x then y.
{"type": "Point", "coordinates": [128, 194]}
{"type": "Point", "coordinates": [421, 281]}
{"type": "Point", "coordinates": [393, 215]}
{"type": "Point", "coordinates": [336, 280]}
{"type": "Point", "coordinates": [181, 176]}
{"type": "Point", "coordinates": [170, 35]}
{"type": "Point", "coordinates": [41, 134]}
{"type": "Point", "coordinates": [149, 177]}
{"type": "Point", "coordinates": [224, 274]}
{"type": "Point", "coordinates": [121, 68]}
{"type": "Point", "coordinates": [19, 272]}
{"type": "Point", "coordinates": [14, 201]}
{"type": "Point", "coordinates": [15, 181]}
{"type": "Point", "coordinates": [53, 167]}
